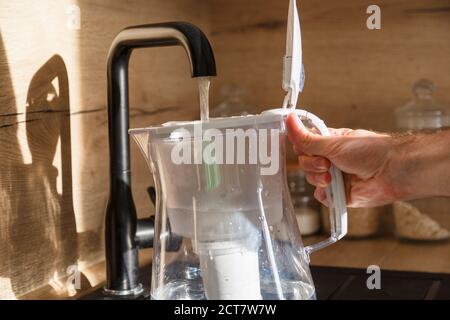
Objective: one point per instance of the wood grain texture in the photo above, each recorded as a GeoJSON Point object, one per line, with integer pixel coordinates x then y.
{"type": "Point", "coordinates": [53, 130]}
{"type": "Point", "coordinates": [386, 252]}
{"type": "Point", "coordinates": [354, 77]}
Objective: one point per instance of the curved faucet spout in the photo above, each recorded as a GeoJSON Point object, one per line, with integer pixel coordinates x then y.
{"type": "Point", "coordinates": [183, 34]}
{"type": "Point", "coordinates": [121, 224]}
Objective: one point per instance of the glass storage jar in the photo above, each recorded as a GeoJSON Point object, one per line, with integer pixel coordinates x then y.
{"type": "Point", "coordinates": [425, 219]}
{"type": "Point", "coordinates": [362, 222]}
{"type": "Point", "coordinates": [306, 208]}
{"type": "Point", "coordinates": [233, 103]}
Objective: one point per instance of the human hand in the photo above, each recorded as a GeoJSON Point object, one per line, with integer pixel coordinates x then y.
{"type": "Point", "coordinates": [364, 157]}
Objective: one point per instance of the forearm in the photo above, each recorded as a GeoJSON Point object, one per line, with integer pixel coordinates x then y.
{"type": "Point", "coordinates": [421, 165]}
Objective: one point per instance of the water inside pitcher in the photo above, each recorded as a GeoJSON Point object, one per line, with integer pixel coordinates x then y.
{"type": "Point", "coordinates": [222, 193]}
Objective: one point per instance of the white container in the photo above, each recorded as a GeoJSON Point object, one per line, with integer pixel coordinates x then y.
{"type": "Point", "coordinates": [308, 220]}
{"type": "Point", "coordinates": [239, 234]}
{"type": "Point", "coordinates": [230, 270]}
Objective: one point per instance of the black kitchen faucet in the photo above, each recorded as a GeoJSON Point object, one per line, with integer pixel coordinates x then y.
{"type": "Point", "coordinates": [124, 233]}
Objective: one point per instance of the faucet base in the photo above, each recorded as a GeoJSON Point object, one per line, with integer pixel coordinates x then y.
{"type": "Point", "coordinates": [133, 292]}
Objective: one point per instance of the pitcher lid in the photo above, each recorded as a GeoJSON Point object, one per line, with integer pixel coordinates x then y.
{"type": "Point", "coordinates": [165, 130]}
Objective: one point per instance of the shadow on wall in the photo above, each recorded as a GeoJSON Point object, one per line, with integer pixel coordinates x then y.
{"type": "Point", "coordinates": [37, 225]}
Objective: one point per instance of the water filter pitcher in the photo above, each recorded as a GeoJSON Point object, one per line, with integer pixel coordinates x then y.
{"type": "Point", "coordinates": [222, 194]}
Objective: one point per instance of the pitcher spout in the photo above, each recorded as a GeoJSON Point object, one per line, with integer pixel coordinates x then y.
{"type": "Point", "coordinates": [140, 136]}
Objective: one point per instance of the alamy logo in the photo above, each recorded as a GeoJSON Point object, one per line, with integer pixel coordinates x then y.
{"type": "Point", "coordinates": [374, 20]}
{"type": "Point", "coordinates": [230, 146]}
{"type": "Point", "coordinates": [374, 280]}
{"type": "Point", "coordinates": [74, 17]}
{"type": "Point", "coordinates": [73, 282]}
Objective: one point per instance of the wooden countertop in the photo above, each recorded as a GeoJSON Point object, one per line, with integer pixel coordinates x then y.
{"type": "Point", "coordinates": [386, 252]}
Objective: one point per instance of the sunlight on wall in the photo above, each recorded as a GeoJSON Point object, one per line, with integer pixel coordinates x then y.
{"type": "Point", "coordinates": [6, 289]}
{"type": "Point", "coordinates": [32, 34]}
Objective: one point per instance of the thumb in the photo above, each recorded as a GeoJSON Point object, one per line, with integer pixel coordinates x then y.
{"type": "Point", "coordinates": [304, 140]}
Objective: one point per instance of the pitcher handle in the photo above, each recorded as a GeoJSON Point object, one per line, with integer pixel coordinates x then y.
{"type": "Point", "coordinates": [335, 192]}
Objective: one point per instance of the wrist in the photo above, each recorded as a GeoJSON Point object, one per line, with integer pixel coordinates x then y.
{"type": "Point", "coordinates": [420, 165]}
{"type": "Point", "coordinates": [400, 166]}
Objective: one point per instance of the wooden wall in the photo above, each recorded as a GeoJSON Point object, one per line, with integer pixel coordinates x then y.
{"type": "Point", "coordinates": [355, 77]}
{"type": "Point", "coordinates": [53, 128]}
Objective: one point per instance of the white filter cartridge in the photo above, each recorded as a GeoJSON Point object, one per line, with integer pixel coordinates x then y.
{"type": "Point", "coordinates": [230, 270]}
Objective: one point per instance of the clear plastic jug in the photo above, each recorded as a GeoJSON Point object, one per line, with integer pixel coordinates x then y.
{"type": "Point", "coordinates": [224, 224]}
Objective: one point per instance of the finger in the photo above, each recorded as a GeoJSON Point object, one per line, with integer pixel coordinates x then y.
{"type": "Point", "coordinates": [314, 164]}
{"type": "Point", "coordinates": [321, 195]}
{"type": "Point", "coordinates": [296, 151]}
{"type": "Point", "coordinates": [303, 139]}
{"type": "Point", "coordinates": [321, 180]}
{"type": "Point", "coordinates": [348, 187]}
